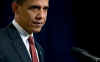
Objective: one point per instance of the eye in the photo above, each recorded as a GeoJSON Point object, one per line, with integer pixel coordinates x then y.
{"type": "Point", "coordinates": [45, 8]}
{"type": "Point", "coordinates": [34, 7]}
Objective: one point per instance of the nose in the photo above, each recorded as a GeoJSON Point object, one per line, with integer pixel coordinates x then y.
{"type": "Point", "coordinates": [40, 15]}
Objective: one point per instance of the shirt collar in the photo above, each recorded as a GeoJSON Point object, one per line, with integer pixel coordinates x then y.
{"type": "Point", "coordinates": [22, 32]}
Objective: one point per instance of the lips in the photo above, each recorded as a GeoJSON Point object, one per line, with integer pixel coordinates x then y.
{"type": "Point", "coordinates": [37, 24]}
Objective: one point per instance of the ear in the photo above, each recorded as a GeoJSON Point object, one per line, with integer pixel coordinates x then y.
{"type": "Point", "coordinates": [14, 6]}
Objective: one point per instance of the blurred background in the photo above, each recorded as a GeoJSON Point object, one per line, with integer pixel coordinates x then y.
{"type": "Point", "coordinates": [69, 24]}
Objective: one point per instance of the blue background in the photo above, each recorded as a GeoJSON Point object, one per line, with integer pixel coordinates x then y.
{"type": "Point", "coordinates": [59, 33]}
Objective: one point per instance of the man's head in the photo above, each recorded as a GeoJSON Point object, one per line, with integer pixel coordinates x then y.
{"type": "Point", "coordinates": [30, 14]}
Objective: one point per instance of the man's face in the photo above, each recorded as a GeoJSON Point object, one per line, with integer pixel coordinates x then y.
{"type": "Point", "coordinates": [31, 15]}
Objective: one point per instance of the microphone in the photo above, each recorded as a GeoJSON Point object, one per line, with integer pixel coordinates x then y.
{"type": "Point", "coordinates": [85, 53]}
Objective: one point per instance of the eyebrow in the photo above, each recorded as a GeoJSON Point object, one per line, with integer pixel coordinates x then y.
{"type": "Point", "coordinates": [38, 7]}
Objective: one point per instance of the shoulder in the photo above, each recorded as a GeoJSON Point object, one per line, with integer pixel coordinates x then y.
{"type": "Point", "coordinates": [3, 33]}
{"type": "Point", "coordinates": [4, 36]}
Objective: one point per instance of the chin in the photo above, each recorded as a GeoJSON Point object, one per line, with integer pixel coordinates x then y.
{"type": "Point", "coordinates": [36, 30]}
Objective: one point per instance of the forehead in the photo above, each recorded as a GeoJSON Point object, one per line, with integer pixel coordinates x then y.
{"type": "Point", "coordinates": [36, 2]}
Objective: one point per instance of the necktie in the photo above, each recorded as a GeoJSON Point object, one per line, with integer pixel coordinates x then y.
{"type": "Point", "coordinates": [33, 50]}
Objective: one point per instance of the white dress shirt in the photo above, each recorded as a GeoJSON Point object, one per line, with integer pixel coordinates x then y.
{"type": "Point", "coordinates": [24, 36]}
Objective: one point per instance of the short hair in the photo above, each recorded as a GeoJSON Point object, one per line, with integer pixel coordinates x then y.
{"type": "Point", "coordinates": [20, 2]}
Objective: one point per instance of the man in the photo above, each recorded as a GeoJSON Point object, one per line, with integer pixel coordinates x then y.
{"type": "Point", "coordinates": [17, 42]}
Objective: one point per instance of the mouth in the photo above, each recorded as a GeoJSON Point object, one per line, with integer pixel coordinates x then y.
{"type": "Point", "coordinates": [37, 24]}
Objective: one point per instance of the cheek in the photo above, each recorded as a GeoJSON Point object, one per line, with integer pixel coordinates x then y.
{"type": "Point", "coordinates": [29, 18]}
{"type": "Point", "coordinates": [24, 15]}
{"type": "Point", "coordinates": [32, 13]}
{"type": "Point", "coordinates": [26, 18]}
{"type": "Point", "coordinates": [45, 16]}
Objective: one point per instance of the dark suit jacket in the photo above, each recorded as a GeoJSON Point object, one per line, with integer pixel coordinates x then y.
{"type": "Point", "coordinates": [12, 49]}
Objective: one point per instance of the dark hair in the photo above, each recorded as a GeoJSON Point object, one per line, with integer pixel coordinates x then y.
{"type": "Point", "coordinates": [20, 2]}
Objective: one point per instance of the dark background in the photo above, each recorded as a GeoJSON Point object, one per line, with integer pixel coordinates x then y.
{"type": "Point", "coordinates": [87, 25]}
{"type": "Point", "coordinates": [70, 23]}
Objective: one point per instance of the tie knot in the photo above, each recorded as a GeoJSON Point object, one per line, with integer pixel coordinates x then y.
{"type": "Point", "coordinates": [31, 40]}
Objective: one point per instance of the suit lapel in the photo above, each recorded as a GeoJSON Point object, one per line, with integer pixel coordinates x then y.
{"type": "Point", "coordinates": [40, 52]}
{"type": "Point", "coordinates": [18, 44]}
